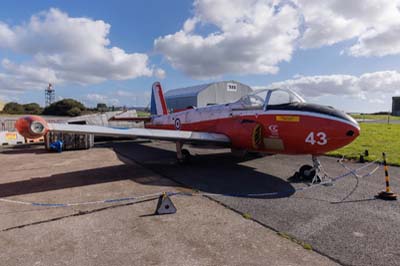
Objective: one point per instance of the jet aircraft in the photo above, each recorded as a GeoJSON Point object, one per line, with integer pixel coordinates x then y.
{"type": "Point", "coordinates": [273, 121]}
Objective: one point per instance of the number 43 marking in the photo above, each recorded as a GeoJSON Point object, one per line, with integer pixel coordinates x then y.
{"type": "Point", "coordinates": [320, 138]}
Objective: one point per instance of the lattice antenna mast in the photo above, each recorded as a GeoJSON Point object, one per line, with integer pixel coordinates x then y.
{"type": "Point", "coordinates": [50, 95]}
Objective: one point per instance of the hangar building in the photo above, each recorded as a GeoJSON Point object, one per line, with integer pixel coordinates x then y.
{"type": "Point", "coordinates": [396, 105]}
{"type": "Point", "coordinates": [206, 94]}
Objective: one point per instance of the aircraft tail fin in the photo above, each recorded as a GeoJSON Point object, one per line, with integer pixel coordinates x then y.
{"type": "Point", "coordinates": [158, 105]}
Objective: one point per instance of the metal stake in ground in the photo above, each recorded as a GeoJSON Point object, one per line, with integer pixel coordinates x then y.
{"type": "Point", "coordinates": [388, 194]}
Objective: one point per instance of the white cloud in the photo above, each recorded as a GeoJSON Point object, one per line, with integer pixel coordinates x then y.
{"type": "Point", "coordinates": [221, 37]}
{"type": "Point", "coordinates": [315, 86]}
{"type": "Point", "coordinates": [64, 49]}
{"type": "Point", "coordinates": [377, 43]}
{"type": "Point", "coordinates": [365, 86]}
{"type": "Point", "coordinates": [7, 36]}
{"type": "Point", "coordinates": [123, 93]}
{"type": "Point", "coordinates": [159, 73]}
{"type": "Point", "coordinates": [374, 24]}
{"type": "Point", "coordinates": [254, 36]}
{"type": "Point", "coordinates": [95, 98]}
{"type": "Point", "coordinates": [118, 97]}
{"type": "Point", "coordinates": [369, 92]}
{"type": "Point", "coordinates": [28, 72]}
{"type": "Point", "coordinates": [10, 97]}
{"type": "Point", "coordinates": [251, 37]}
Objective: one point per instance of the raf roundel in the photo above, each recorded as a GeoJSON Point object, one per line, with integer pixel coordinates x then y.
{"type": "Point", "coordinates": [178, 123]}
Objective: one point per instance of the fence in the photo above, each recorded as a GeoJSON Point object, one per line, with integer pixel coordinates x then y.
{"type": "Point", "coordinates": [8, 133]}
{"type": "Point", "coordinates": [10, 136]}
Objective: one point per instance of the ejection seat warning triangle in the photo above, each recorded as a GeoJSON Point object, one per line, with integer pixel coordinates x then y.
{"type": "Point", "coordinates": [165, 205]}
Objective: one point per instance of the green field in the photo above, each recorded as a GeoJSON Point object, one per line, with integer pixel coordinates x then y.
{"type": "Point", "coordinates": [375, 117]}
{"type": "Point", "coordinates": [142, 114]}
{"type": "Point", "coordinates": [376, 138]}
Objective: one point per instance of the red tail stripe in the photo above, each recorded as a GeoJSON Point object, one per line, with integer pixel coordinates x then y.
{"type": "Point", "coordinates": [162, 99]}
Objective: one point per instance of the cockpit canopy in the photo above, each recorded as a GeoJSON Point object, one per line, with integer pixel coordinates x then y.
{"type": "Point", "coordinates": [264, 99]}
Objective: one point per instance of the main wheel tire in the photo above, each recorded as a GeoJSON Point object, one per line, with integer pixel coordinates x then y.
{"type": "Point", "coordinates": [306, 172]}
{"type": "Point", "coordinates": [185, 157]}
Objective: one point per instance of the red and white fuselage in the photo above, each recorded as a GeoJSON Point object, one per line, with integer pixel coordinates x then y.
{"type": "Point", "coordinates": [271, 121]}
{"type": "Point", "coordinates": [293, 127]}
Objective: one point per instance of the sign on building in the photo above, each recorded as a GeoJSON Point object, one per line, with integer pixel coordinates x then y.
{"type": "Point", "coordinates": [231, 87]}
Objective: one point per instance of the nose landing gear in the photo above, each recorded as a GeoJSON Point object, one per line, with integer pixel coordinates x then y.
{"type": "Point", "coordinates": [312, 173]}
{"type": "Point", "coordinates": [307, 172]}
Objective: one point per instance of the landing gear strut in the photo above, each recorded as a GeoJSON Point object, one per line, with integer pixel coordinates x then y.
{"type": "Point", "coordinates": [182, 155]}
{"type": "Point", "coordinates": [312, 173]}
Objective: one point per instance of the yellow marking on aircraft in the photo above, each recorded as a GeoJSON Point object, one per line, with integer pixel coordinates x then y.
{"type": "Point", "coordinates": [287, 118]}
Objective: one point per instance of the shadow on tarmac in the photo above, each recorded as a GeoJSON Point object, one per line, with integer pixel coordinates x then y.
{"type": "Point", "coordinates": [23, 149]}
{"type": "Point", "coordinates": [211, 173]}
{"type": "Point", "coordinates": [72, 179]}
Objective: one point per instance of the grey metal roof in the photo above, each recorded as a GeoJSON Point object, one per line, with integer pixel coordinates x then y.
{"type": "Point", "coordinates": [188, 91]}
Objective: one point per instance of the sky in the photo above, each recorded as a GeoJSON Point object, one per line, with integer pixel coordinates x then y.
{"type": "Point", "coordinates": [334, 52]}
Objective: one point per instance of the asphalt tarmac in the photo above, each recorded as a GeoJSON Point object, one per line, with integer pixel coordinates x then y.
{"type": "Point", "coordinates": [343, 222]}
{"type": "Point", "coordinates": [121, 233]}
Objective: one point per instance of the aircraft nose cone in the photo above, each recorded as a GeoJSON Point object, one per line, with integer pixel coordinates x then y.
{"type": "Point", "coordinates": [354, 127]}
{"type": "Point", "coordinates": [353, 132]}
{"type": "Point", "coordinates": [349, 130]}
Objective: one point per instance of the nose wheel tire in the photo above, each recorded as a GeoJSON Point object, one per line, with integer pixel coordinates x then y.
{"type": "Point", "coordinates": [307, 172]}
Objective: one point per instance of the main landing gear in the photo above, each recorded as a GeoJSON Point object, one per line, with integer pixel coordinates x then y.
{"type": "Point", "coordinates": [183, 155]}
{"type": "Point", "coordinates": [312, 173]}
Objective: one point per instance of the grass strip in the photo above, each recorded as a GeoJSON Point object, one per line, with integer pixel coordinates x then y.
{"type": "Point", "coordinates": [376, 138]}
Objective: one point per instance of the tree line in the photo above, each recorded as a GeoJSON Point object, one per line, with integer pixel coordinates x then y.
{"type": "Point", "coordinates": [65, 107]}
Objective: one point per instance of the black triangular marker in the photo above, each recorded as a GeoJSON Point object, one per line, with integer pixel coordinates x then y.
{"type": "Point", "coordinates": [165, 205]}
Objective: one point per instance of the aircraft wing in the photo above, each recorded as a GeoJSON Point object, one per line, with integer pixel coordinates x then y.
{"type": "Point", "coordinates": [160, 134]}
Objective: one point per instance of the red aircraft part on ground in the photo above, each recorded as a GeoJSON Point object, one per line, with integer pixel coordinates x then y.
{"type": "Point", "coordinates": [32, 126]}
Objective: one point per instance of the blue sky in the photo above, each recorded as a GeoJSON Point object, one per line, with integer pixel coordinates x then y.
{"type": "Point", "coordinates": [346, 56]}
